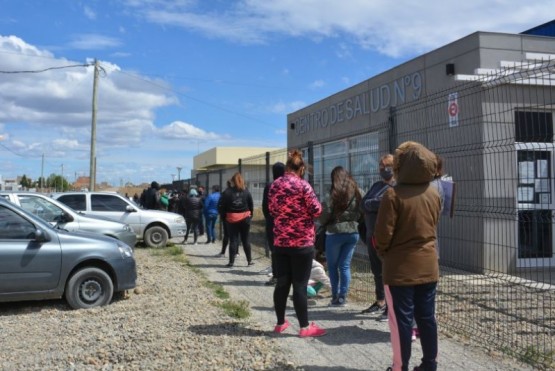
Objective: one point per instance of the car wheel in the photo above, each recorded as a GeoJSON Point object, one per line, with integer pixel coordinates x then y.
{"type": "Point", "coordinates": [156, 237]}
{"type": "Point", "coordinates": [89, 287]}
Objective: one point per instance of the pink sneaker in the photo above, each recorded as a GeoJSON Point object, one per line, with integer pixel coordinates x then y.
{"type": "Point", "coordinates": [278, 329]}
{"type": "Point", "coordinates": [312, 331]}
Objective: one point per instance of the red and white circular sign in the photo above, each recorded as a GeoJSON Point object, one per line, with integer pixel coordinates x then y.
{"type": "Point", "coordinates": [453, 109]}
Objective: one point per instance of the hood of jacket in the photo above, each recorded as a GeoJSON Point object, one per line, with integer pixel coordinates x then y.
{"type": "Point", "coordinates": [414, 164]}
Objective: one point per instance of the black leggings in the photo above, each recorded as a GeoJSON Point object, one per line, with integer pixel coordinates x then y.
{"type": "Point", "coordinates": [376, 268]}
{"type": "Point", "coordinates": [293, 267]}
{"type": "Point", "coordinates": [191, 226]}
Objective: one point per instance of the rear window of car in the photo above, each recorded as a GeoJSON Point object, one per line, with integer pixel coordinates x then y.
{"type": "Point", "coordinates": [107, 203]}
{"type": "Point", "coordinates": [76, 202]}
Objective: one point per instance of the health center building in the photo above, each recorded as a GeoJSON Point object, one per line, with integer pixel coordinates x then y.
{"type": "Point", "coordinates": [485, 104]}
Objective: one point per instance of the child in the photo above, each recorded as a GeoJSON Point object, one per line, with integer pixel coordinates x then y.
{"type": "Point", "coordinates": [318, 279]}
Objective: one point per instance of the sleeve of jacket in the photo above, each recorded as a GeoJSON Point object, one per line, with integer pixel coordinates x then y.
{"type": "Point", "coordinates": [250, 203]}
{"type": "Point", "coordinates": [222, 204]}
{"type": "Point", "coordinates": [313, 205]}
{"type": "Point", "coordinates": [385, 223]}
{"type": "Point", "coordinates": [371, 200]}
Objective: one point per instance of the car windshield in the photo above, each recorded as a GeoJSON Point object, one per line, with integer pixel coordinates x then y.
{"type": "Point", "coordinates": [34, 218]}
{"type": "Point", "coordinates": [41, 208]}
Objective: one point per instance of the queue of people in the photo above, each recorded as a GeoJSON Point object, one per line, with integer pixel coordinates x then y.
{"type": "Point", "coordinates": [401, 214]}
{"type": "Point", "coordinates": [400, 211]}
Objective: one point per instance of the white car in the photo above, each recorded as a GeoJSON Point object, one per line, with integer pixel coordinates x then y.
{"type": "Point", "coordinates": [62, 216]}
{"type": "Point", "coordinates": [154, 227]}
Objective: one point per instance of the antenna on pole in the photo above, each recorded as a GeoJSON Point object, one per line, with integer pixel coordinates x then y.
{"type": "Point", "coordinates": [92, 167]}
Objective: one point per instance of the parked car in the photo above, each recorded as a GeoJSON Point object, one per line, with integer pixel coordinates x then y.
{"type": "Point", "coordinates": [154, 227]}
{"type": "Point", "coordinates": [39, 262]}
{"type": "Point", "coordinates": [62, 216]}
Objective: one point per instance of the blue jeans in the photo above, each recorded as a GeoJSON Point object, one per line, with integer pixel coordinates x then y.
{"type": "Point", "coordinates": [210, 226]}
{"type": "Point", "coordinates": [340, 248]}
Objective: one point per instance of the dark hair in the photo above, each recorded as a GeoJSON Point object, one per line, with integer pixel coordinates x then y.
{"type": "Point", "coordinates": [343, 189]}
{"type": "Point", "coordinates": [439, 167]}
{"type": "Point", "coordinates": [238, 181]}
{"type": "Point", "coordinates": [215, 188]}
{"type": "Point", "coordinates": [295, 161]}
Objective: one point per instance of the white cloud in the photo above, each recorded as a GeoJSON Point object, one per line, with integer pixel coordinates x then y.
{"type": "Point", "coordinates": [93, 42]}
{"type": "Point", "coordinates": [89, 13]}
{"type": "Point", "coordinates": [395, 29]}
{"type": "Point", "coordinates": [179, 130]}
{"type": "Point", "coordinates": [285, 108]}
{"type": "Point", "coordinates": [51, 112]}
{"type": "Point", "coordinates": [317, 84]}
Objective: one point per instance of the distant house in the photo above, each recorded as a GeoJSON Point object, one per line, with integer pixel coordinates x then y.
{"type": "Point", "coordinates": [81, 183]}
{"type": "Point", "coordinates": [9, 185]}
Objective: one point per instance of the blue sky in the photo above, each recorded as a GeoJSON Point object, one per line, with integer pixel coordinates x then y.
{"type": "Point", "coordinates": [182, 76]}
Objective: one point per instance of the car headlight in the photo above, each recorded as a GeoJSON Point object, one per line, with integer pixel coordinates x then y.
{"type": "Point", "coordinates": [179, 220]}
{"type": "Point", "coordinates": [127, 228]}
{"type": "Point", "coordinates": [125, 251]}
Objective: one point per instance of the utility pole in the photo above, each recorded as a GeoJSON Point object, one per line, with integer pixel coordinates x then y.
{"type": "Point", "coordinates": [42, 174]}
{"type": "Point", "coordinates": [62, 181]}
{"type": "Point", "coordinates": [92, 167]}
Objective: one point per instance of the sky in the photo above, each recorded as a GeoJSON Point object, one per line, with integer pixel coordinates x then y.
{"type": "Point", "coordinates": [179, 77]}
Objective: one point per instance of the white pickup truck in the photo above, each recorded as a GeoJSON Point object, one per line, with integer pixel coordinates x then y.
{"type": "Point", "coordinates": [154, 227]}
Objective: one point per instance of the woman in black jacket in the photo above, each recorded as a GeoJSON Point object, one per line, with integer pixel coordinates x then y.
{"type": "Point", "coordinates": [191, 208]}
{"type": "Point", "coordinates": [237, 206]}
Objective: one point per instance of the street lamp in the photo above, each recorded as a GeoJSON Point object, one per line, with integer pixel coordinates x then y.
{"type": "Point", "coordinates": [173, 177]}
{"type": "Point", "coordinates": [179, 173]}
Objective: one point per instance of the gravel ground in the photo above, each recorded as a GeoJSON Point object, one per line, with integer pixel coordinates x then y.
{"type": "Point", "coordinates": [168, 322]}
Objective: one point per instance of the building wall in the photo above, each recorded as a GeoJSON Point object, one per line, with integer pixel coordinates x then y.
{"type": "Point", "coordinates": [410, 101]}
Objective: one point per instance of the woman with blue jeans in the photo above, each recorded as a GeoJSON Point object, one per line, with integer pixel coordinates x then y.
{"type": "Point", "coordinates": [341, 214]}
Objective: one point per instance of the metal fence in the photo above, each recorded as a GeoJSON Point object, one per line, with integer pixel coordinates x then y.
{"type": "Point", "coordinates": [495, 134]}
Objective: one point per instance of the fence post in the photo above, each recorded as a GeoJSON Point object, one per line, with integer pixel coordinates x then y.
{"type": "Point", "coordinates": [310, 151]}
{"type": "Point", "coordinates": [266, 246]}
{"type": "Point", "coordinates": [392, 129]}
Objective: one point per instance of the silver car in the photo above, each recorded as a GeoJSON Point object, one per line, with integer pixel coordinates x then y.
{"type": "Point", "coordinates": [62, 216]}
{"type": "Point", "coordinates": [38, 262]}
{"type": "Point", "coordinates": [155, 227]}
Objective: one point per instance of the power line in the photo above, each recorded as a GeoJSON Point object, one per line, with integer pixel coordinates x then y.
{"type": "Point", "coordinates": [48, 69]}
{"type": "Point", "coordinates": [198, 100]}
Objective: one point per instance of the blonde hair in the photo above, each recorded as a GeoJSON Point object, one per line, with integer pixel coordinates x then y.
{"type": "Point", "coordinates": [386, 160]}
{"type": "Point", "coordinates": [238, 181]}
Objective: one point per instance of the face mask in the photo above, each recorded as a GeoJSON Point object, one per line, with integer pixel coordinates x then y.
{"type": "Point", "coordinates": [386, 173]}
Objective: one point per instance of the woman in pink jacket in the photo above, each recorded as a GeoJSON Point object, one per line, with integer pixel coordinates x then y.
{"type": "Point", "coordinates": [294, 206]}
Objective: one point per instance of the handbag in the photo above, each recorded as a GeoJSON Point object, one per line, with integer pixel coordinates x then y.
{"type": "Point", "coordinates": [320, 241]}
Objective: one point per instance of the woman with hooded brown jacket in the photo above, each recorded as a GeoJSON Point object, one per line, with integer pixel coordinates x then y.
{"type": "Point", "coordinates": [406, 241]}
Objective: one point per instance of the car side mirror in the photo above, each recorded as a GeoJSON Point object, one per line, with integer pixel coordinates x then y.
{"type": "Point", "coordinates": [40, 236]}
{"type": "Point", "coordinates": [64, 218]}
{"type": "Point", "coordinates": [130, 209]}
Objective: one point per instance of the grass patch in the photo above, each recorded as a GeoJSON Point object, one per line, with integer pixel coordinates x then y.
{"type": "Point", "coordinates": [535, 357]}
{"type": "Point", "coordinates": [217, 289]}
{"type": "Point", "coordinates": [173, 251]}
{"type": "Point", "coordinates": [236, 309]}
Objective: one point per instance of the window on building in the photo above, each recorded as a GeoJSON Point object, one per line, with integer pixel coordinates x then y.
{"type": "Point", "coordinates": [533, 127]}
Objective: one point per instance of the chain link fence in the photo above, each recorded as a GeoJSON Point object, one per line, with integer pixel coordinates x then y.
{"type": "Point", "coordinates": [495, 134]}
